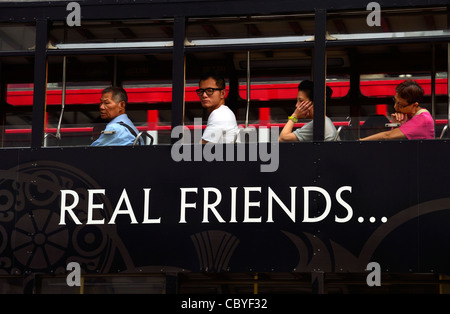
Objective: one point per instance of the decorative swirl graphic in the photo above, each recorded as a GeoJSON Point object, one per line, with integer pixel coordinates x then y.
{"type": "Point", "coordinates": [345, 260]}
{"type": "Point", "coordinates": [37, 242]}
{"type": "Point", "coordinates": [6, 205]}
{"type": "Point", "coordinates": [214, 249]}
{"type": "Point", "coordinates": [5, 262]}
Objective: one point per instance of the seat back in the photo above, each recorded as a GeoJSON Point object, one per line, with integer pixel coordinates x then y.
{"type": "Point", "coordinates": [374, 124]}
{"type": "Point", "coordinates": [444, 131]}
{"type": "Point", "coordinates": [338, 132]}
{"type": "Point", "coordinates": [145, 137]}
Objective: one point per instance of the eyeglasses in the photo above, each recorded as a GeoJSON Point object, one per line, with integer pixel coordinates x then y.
{"type": "Point", "coordinates": [399, 104]}
{"type": "Point", "coordinates": [209, 91]}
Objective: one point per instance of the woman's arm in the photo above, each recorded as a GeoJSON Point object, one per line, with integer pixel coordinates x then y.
{"type": "Point", "coordinates": [301, 112]}
{"type": "Point", "coordinates": [386, 135]}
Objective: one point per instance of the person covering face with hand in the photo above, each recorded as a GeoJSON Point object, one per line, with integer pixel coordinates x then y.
{"type": "Point", "coordinates": [304, 109]}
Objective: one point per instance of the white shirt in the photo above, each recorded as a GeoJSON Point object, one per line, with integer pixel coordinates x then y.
{"type": "Point", "coordinates": [221, 126]}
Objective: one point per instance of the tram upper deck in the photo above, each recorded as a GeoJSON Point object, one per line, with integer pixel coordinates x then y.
{"type": "Point", "coordinates": [348, 203]}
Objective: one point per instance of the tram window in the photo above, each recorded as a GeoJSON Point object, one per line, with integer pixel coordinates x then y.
{"type": "Point", "coordinates": [71, 123]}
{"type": "Point", "coordinates": [249, 29]}
{"type": "Point", "coordinates": [17, 115]}
{"type": "Point", "coordinates": [375, 95]}
{"type": "Point", "coordinates": [376, 69]}
{"type": "Point", "coordinates": [382, 87]}
{"type": "Point", "coordinates": [274, 78]}
{"type": "Point", "coordinates": [150, 107]}
{"type": "Point", "coordinates": [274, 75]}
{"type": "Point", "coordinates": [387, 24]}
{"type": "Point", "coordinates": [273, 72]}
{"type": "Point", "coordinates": [337, 107]}
{"type": "Point", "coordinates": [16, 85]}
{"type": "Point", "coordinates": [15, 37]}
{"type": "Point", "coordinates": [146, 78]}
{"type": "Point", "coordinates": [113, 34]}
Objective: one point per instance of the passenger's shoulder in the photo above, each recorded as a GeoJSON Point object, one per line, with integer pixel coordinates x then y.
{"type": "Point", "coordinates": [114, 127]}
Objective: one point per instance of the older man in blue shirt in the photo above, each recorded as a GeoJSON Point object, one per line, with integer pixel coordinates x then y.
{"type": "Point", "coordinates": [119, 130]}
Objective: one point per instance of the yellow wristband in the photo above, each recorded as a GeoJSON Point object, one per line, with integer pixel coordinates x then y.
{"type": "Point", "coordinates": [294, 119]}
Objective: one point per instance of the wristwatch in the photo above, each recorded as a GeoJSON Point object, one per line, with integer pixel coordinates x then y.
{"type": "Point", "coordinates": [294, 119]}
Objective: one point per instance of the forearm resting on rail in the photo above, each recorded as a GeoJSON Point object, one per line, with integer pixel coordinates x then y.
{"type": "Point", "coordinates": [386, 135]}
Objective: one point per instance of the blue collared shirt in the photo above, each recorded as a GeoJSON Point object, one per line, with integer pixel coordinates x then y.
{"type": "Point", "coordinates": [116, 134]}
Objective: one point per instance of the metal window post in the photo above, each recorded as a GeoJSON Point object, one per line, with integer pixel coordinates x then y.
{"type": "Point", "coordinates": [178, 72]}
{"type": "Point", "coordinates": [448, 85]}
{"type": "Point", "coordinates": [40, 84]}
{"type": "Point", "coordinates": [320, 65]}
{"type": "Point", "coordinates": [3, 90]}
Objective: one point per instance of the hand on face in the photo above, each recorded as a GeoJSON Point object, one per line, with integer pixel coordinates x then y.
{"type": "Point", "coordinates": [303, 109]}
{"type": "Point", "coordinates": [399, 117]}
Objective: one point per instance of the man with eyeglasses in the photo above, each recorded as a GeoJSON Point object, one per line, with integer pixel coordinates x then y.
{"type": "Point", "coordinates": [414, 122]}
{"type": "Point", "coordinates": [221, 126]}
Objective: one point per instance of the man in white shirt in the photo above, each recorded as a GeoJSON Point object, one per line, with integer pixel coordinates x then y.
{"type": "Point", "coordinates": [221, 126]}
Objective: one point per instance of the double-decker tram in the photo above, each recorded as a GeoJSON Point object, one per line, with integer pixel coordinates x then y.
{"type": "Point", "coordinates": [256, 216]}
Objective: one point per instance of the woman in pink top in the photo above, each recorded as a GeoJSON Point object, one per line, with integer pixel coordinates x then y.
{"type": "Point", "coordinates": [414, 122]}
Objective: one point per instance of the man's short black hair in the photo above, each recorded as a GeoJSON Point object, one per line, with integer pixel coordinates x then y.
{"type": "Point", "coordinates": [220, 81]}
{"type": "Point", "coordinates": [118, 93]}
{"type": "Point", "coordinates": [307, 87]}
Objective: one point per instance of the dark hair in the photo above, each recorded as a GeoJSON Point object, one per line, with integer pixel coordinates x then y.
{"type": "Point", "coordinates": [118, 93]}
{"type": "Point", "coordinates": [220, 81]}
{"type": "Point", "coordinates": [410, 91]}
{"type": "Point", "coordinates": [307, 87]}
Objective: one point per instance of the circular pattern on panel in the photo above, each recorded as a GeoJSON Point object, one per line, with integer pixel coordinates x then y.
{"type": "Point", "coordinates": [37, 241]}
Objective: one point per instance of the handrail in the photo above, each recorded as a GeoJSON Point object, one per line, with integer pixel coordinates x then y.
{"type": "Point", "coordinates": [336, 138]}
{"type": "Point", "coordinates": [143, 134]}
{"type": "Point", "coordinates": [444, 130]}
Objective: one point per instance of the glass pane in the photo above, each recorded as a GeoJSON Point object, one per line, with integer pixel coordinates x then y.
{"type": "Point", "coordinates": [274, 73]}
{"type": "Point", "coordinates": [113, 34]}
{"type": "Point", "coordinates": [17, 115]}
{"type": "Point", "coordinates": [387, 23]}
{"type": "Point", "coordinates": [376, 69]}
{"type": "Point", "coordinates": [274, 78]}
{"type": "Point", "coordinates": [149, 94]}
{"type": "Point", "coordinates": [17, 37]}
{"type": "Point", "coordinates": [380, 69]}
{"type": "Point", "coordinates": [250, 29]}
